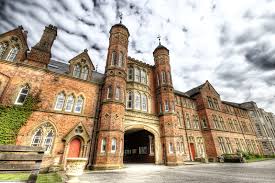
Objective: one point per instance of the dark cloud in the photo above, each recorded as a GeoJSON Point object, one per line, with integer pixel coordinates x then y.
{"type": "Point", "coordinates": [262, 56]}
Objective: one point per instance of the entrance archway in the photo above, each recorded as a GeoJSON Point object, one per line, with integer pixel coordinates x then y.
{"type": "Point", "coordinates": [139, 146]}
{"type": "Point", "coordinates": [74, 148]}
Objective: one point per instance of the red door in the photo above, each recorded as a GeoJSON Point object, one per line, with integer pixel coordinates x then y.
{"type": "Point", "coordinates": [74, 149]}
{"type": "Point", "coordinates": [192, 149]}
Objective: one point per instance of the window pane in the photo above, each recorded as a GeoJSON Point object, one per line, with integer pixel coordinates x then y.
{"type": "Point", "coordinates": [69, 104]}
{"type": "Point", "coordinates": [78, 105]}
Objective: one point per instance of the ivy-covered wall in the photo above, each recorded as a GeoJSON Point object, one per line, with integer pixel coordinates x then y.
{"type": "Point", "coordinates": [13, 117]}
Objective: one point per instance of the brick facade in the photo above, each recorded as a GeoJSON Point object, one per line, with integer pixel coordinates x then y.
{"type": "Point", "coordinates": [98, 109]}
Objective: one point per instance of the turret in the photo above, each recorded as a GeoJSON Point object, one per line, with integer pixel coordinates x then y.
{"type": "Point", "coordinates": [40, 54]}
{"type": "Point", "coordinates": [110, 138]}
{"type": "Point", "coordinates": [166, 106]}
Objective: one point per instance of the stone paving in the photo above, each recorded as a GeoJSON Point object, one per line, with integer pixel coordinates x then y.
{"type": "Point", "coordinates": [259, 172]}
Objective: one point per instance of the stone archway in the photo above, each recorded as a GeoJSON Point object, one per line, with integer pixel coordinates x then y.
{"type": "Point", "coordinates": [156, 139]}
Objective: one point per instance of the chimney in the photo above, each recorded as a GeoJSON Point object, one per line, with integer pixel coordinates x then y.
{"type": "Point", "coordinates": [40, 54]}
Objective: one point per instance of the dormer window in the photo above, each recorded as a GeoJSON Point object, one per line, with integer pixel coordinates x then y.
{"type": "Point", "coordinates": [3, 48]}
{"type": "Point", "coordinates": [77, 71]}
{"type": "Point", "coordinates": [84, 73]}
{"type": "Point", "coordinates": [12, 54]}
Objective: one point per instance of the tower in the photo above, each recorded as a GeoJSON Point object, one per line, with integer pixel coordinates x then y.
{"type": "Point", "coordinates": [166, 106]}
{"type": "Point", "coordinates": [110, 136]}
{"type": "Point", "coordinates": [40, 54]}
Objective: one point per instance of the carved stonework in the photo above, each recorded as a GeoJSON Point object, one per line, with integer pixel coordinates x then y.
{"type": "Point", "coordinates": [74, 168]}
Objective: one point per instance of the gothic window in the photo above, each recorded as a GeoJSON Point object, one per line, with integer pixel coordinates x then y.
{"type": "Point", "coordinates": [163, 77]}
{"type": "Point", "coordinates": [12, 54]}
{"type": "Point", "coordinates": [130, 100]}
{"type": "Point", "coordinates": [109, 92]}
{"type": "Point", "coordinates": [113, 149]}
{"type": "Point", "coordinates": [77, 71]}
{"type": "Point", "coordinates": [143, 77]}
{"type": "Point", "coordinates": [215, 121]}
{"type": "Point", "coordinates": [182, 147]}
{"type": "Point", "coordinates": [120, 60]}
{"type": "Point", "coordinates": [144, 102]}
{"type": "Point", "coordinates": [117, 94]}
{"type": "Point", "coordinates": [113, 60]}
{"type": "Point", "coordinates": [196, 122]}
{"type": "Point", "coordinates": [157, 79]}
{"type": "Point", "coordinates": [22, 95]}
{"type": "Point", "coordinates": [222, 123]}
{"type": "Point", "coordinates": [179, 119]}
{"type": "Point", "coordinates": [37, 138]}
{"type": "Point", "coordinates": [103, 145]}
{"type": "Point", "coordinates": [44, 137]}
{"type": "Point", "coordinates": [204, 123]}
{"type": "Point", "coordinates": [84, 73]}
{"type": "Point", "coordinates": [216, 104]}
{"type": "Point", "coordinates": [238, 144]}
{"type": "Point", "coordinates": [187, 120]}
{"type": "Point", "coordinates": [166, 106]}
{"type": "Point", "coordinates": [69, 103]}
{"type": "Point", "coordinates": [130, 73]}
{"type": "Point", "coordinates": [59, 102]}
{"type": "Point", "coordinates": [222, 145]}
{"type": "Point", "coordinates": [137, 74]}
{"type": "Point", "coordinates": [3, 48]}
{"type": "Point", "coordinates": [171, 148]}
{"type": "Point", "coordinates": [210, 102]}
{"type": "Point", "coordinates": [137, 100]}
{"type": "Point", "coordinates": [79, 104]}
{"type": "Point", "coordinates": [229, 146]}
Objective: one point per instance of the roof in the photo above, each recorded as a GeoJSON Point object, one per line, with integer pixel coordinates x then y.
{"type": "Point", "coordinates": [195, 90]}
{"type": "Point", "coordinates": [63, 68]}
{"type": "Point", "coordinates": [120, 25]}
{"type": "Point", "coordinates": [181, 93]}
{"type": "Point", "coordinates": [234, 104]}
{"type": "Point", "coordinates": [160, 46]}
{"type": "Point", "coordinates": [139, 62]}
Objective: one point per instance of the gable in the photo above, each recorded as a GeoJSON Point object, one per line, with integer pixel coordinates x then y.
{"type": "Point", "coordinates": [83, 58]}
{"type": "Point", "coordinates": [207, 87]}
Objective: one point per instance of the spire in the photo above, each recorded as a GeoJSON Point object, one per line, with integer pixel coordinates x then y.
{"type": "Point", "coordinates": [120, 17]}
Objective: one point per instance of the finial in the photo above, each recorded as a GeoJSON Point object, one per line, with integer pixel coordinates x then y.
{"type": "Point", "coordinates": [96, 67]}
{"type": "Point", "coordinates": [120, 17]}
{"type": "Point", "coordinates": [159, 39]}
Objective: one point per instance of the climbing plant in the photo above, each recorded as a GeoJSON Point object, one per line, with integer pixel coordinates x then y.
{"type": "Point", "coordinates": [12, 118]}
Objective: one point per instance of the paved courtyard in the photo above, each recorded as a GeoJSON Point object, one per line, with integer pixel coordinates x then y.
{"type": "Point", "coordinates": [261, 172]}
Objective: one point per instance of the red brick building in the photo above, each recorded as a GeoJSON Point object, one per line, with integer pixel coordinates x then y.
{"type": "Point", "coordinates": [131, 113]}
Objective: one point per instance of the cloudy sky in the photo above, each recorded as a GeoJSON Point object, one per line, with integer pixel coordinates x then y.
{"type": "Point", "coordinates": [230, 43]}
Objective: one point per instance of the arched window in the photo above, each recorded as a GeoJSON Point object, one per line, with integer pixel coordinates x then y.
{"type": "Point", "coordinates": [77, 70]}
{"type": "Point", "coordinates": [144, 102]}
{"type": "Point", "coordinates": [130, 73]}
{"type": "Point", "coordinates": [137, 100]}
{"type": "Point", "coordinates": [48, 141]}
{"type": "Point", "coordinates": [109, 92]}
{"type": "Point", "coordinates": [113, 149]}
{"type": "Point", "coordinates": [37, 137]}
{"type": "Point", "coordinates": [130, 100]}
{"type": "Point", "coordinates": [166, 107]}
{"type": "Point", "coordinates": [79, 104]}
{"type": "Point", "coordinates": [113, 60]}
{"type": "Point", "coordinates": [12, 54]}
{"type": "Point", "coordinates": [117, 94]}
{"type": "Point", "coordinates": [137, 74]}
{"type": "Point", "coordinates": [84, 73]}
{"type": "Point", "coordinates": [163, 77]}
{"type": "Point", "coordinates": [103, 145]}
{"type": "Point", "coordinates": [157, 79]}
{"type": "Point", "coordinates": [44, 136]}
{"type": "Point", "coordinates": [120, 60]}
{"type": "Point", "coordinates": [143, 77]}
{"type": "Point", "coordinates": [3, 48]}
{"type": "Point", "coordinates": [69, 103]}
{"type": "Point", "coordinates": [59, 102]}
{"type": "Point", "coordinates": [22, 95]}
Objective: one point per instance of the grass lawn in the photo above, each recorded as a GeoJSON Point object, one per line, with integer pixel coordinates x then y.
{"type": "Point", "coordinates": [42, 178]}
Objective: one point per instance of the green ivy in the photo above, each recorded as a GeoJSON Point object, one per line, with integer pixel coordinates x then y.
{"type": "Point", "coordinates": [12, 118]}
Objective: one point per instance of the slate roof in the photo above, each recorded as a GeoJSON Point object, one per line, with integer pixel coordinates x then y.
{"type": "Point", "coordinates": [63, 68]}
{"type": "Point", "coordinates": [181, 93]}
{"type": "Point", "coordinates": [233, 104]}
{"type": "Point", "coordinates": [195, 90]}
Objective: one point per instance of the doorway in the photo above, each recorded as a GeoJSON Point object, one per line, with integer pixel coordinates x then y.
{"type": "Point", "coordinates": [74, 148]}
{"type": "Point", "coordinates": [139, 146]}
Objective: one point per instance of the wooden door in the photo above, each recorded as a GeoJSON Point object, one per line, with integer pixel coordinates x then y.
{"type": "Point", "coordinates": [74, 148]}
{"type": "Point", "coordinates": [192, 149]}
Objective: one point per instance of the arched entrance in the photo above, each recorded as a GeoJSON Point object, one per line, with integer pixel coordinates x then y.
{"type": "Point", "coordinates": [74, 148]}
{"type": "Point", "coordinates": [139, 146]}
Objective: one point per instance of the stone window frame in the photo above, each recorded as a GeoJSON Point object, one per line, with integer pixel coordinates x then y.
{"type": "Point", "coordinates": [25, 95]}
{"type": "Point", "coordinates": [130, 101]}
{"type": "Point", "coordinates": [46, 128]}
{"type": "Point", "coordinates": [187, 121]}
{"type": "Point", "coordinates": [163, 77]}
{"type": "Point", "coordinates": [222, 145]}
{"type": "Point", "coordinates": [171, 148]}
{"type": "Point", "coordinates": [65, 100]}
{"type": "Point", "coordinates": [3, 48]}
{"type": "Point", "coordinates": [57, 100]}
{"type": "Point", "coordinates": [113, 144]}
{"type": "Point", "coordinates": [109, 93]}
{"type": "Point", "coordinates": [228, 145]}
{"type": "Point", "coordinates": [138, 74]}
{"type": "Point", "coordinates": [70, 100]}
{"type": "Point", "coordinates": [76, 104]}
{"type": "Point", "coordinates": [103, 145]}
